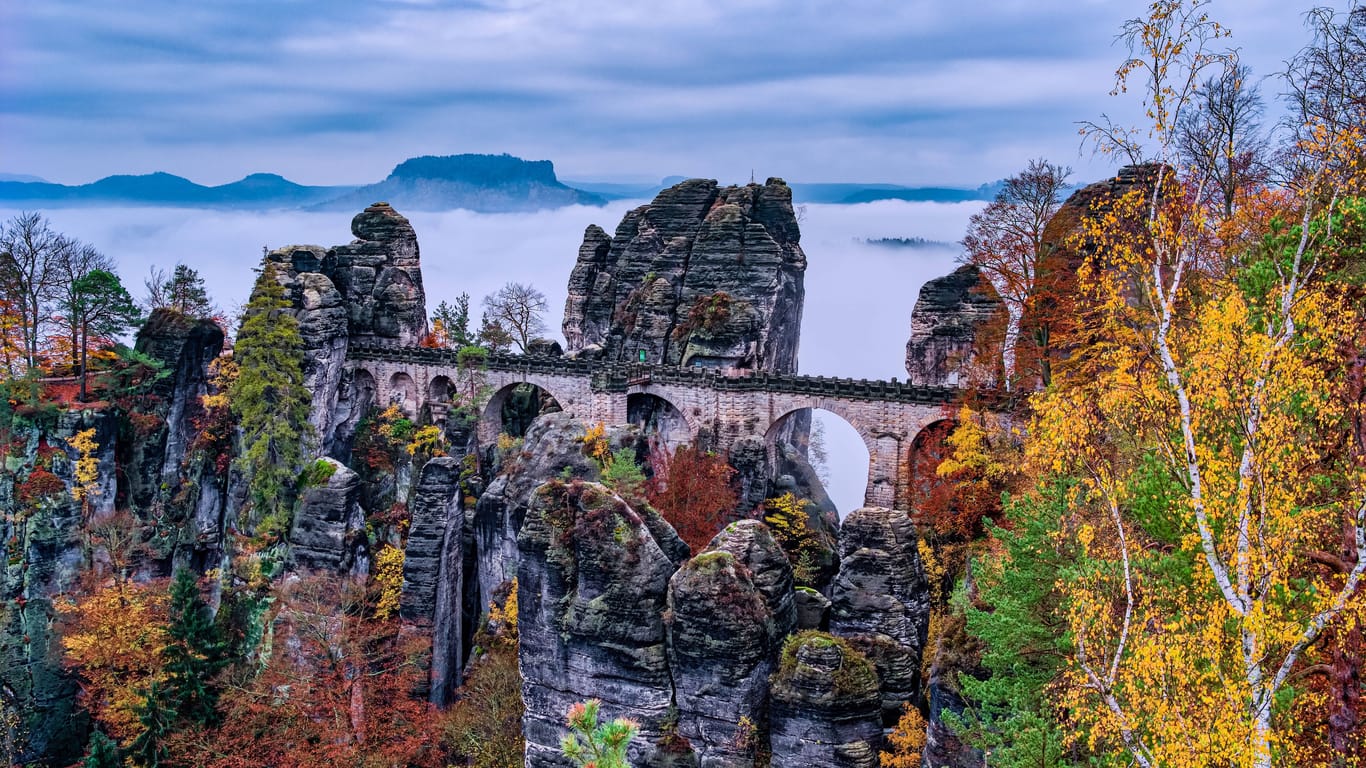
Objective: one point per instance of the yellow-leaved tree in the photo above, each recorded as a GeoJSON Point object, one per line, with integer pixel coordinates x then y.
{"type": "Point", "coordinates": [1212, 414]}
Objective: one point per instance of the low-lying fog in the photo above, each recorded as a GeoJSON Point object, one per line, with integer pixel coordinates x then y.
{"type": "Point", "coordinates": [858, 296]}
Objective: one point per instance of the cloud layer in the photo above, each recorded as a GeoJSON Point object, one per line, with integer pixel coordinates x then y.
{"type": "Point", "coordinates": [338, 92]}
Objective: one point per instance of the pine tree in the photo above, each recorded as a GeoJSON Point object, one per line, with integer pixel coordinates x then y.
{"type": "Point", "coordinates": [158, 721]}
{"type": "Point", "coordinates": [270, 403]}
{"type": "Point", "coordinates": [196, 655]}
{"type": "Point", "coordinates": [102, 752]}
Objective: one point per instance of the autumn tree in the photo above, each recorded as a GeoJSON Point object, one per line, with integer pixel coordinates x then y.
{"type": "Point", "coordinates": [1006, 242]}
{"type": "Point", "coordinates": [29, 250]}
{"type": "Point", "coordinates": [484, 726]}
{"type": "Point", "coordinates": [1221, 136]}
{"type": "Point", "coordinates": [270, 402]}
{"type": "Point", "coordinates": [519, 310]}
{"type": "Point", "coordinates": [335, 690]}
{"type": "Point", "coordinates": [75, 262]}
{"type": "Point", "coordinates": [1220, 382]}
{"type": "Point", "coordinates": [694, 491]}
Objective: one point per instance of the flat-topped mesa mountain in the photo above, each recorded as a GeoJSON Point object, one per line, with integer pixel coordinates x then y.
{"type": "Point", "coordinates": [703, 275]}
{"type": "Point", "coordinates": [483, 183]}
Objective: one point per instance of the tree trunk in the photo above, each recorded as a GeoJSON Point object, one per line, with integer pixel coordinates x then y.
{"type": "Point", "coordinates": [84, 340]}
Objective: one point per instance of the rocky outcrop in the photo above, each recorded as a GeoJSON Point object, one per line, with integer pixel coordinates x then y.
{"type": "Point", "coordinates": [485, 183]}
{"type": "Point", "coordinates": [703, 275]}
{"type": "Point", "coordinates": [825, 705]}
{"type": "Point", "coordinates": [592, 589]}
{"type": "Point", "coordinates": [433, 571]}
{"type": "Point", "coordinates": [881, 599]}
{"type": "Point", "coordinates": [552, 448]}
{"type": "Point", "coordinates": [329, 524]}
{"type": "Point", "coordinates": [730, 608]}
{"type": "Point", "coordinates": [367, 290]}
{"type": "Point", "coordinates": [954, 319]}
{"type": "Point", "coordinates": [45, 551]}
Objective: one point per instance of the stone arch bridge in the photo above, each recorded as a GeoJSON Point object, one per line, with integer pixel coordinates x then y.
{"type": "Point", "coordinates": [888, 415]}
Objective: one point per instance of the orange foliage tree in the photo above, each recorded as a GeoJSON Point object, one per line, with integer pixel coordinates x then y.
{"type": "Point", "coordinates": [335, 690]}
{"type": "Point", "coordinates": [694, 491]}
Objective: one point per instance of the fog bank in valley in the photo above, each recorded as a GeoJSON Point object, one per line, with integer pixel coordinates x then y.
{"type": "Point", "coordinates": [858, 296]}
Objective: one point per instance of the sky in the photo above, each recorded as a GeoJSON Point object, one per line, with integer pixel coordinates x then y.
{"type": "Point", "coordinates": [919, 92]}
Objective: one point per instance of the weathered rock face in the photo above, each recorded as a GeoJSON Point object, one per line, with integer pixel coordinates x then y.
{"type": "Point", "coordinates": [881, 599]}
{"type": "Point", "coordinates": [949, 321]}
{"type": "Point", "coordinates": [592, 589]}
{"type": "Point", "coordinates": [328, 529]}
{"type": "Point", "coordinates": [433, 571]}
{"type": "Point", "coordinates": [731, 607]}
{"type": "Point", "coordinates": [45, 553]}
{"type": "Point", "coordinates": [825, 706]}
{"type": "Point", "coordinates": [704, 275]}
{"type": "Point", "coordinates": [368, 290]}
{"type": "Point", "coordinates": [552, 447]}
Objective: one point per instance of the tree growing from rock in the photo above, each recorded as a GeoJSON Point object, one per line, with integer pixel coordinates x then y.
{"type": "Point", "coordinates": [183, 290]}
{"type": "Point", "coordinates": [101, 309]}
{"type": "Point", "coordinates": [1006, 241]}
{"type": "Point", "coordinates": [520, 310]}
{"type": "Point", "coordinates": [270, 403]}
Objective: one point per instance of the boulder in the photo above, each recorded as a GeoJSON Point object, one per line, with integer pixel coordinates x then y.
{"type": "Point", "coordinates": [592, 590]}
{"type": "Point", "coordinates": [328, 529]}
{"type": "Point", "coordinates": [881, 598]}
{"type": "Point", "coordinates": [825, 705]}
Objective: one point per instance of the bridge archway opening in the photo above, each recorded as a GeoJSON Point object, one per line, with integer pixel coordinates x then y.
{"type": "Point", "coordinates": [440, 390]}
{"type": "Point", "coordinates": [826, 457]}
{"type": "Point", "coordinates": [403, 393]}
{"type": "Point", "coordinates": [658, 418]}
{"type": "Point", "coordinates": [512, 409]}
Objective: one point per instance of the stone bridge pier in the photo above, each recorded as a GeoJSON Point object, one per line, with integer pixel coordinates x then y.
{"type": "Point", "coordinates": [888, 416]}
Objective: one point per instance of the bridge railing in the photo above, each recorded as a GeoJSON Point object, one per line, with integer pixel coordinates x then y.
{"type": "Point", "coordinates": [618, 377]}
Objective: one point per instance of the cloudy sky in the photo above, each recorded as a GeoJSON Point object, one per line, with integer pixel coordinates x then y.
{"type": "Point", "coordinates": [906, 91]}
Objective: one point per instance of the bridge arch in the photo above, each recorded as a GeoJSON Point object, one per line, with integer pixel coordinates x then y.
{"type": "Point", "coordinates": [928, 448]}
{"type": "Point", "coordinates": [403, 392]}
{"type": "Point", "coordinates": [849, 480]}
{"type": "Point", "coordinates": [497, 416]}
{"type": "Point", "coordinates": [657, 415]}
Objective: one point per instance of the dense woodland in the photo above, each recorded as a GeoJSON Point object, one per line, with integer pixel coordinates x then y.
{"type": "Point", "coordinates": [1145, 532]}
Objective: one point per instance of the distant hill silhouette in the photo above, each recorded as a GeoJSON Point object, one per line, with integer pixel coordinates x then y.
{"type": "Point", "coordinates": [486, 183]}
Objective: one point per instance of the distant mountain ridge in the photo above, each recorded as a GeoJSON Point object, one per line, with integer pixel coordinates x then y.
{"type": "Point", "coordinates": [482, 183]}
{"type": "Point", "coordinates": [485, 183]}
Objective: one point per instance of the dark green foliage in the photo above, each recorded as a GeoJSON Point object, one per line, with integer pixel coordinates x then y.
{"type": "Point", "coordinates": [270, 403]}
{"type": "Point", "coordinates": [101, 309]}
{"type": "Point", "coordinates": [197, 654]}
{"type": "Point", "coordinates": [455, 319]}
{"type": "Point", "coordinates": [493, 336]}
{"type": "Point", "coordinates": [1018, 626]}
{"type": "Point", "coordinates": [183, 291]}
{"type": "Point", "coordinates": [102, 752]}
{"type": "Point", "coordinates": [158, 719]}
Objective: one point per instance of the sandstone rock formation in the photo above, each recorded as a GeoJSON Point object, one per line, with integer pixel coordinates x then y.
{"type": "Point", "coordinates": [731, 606]}
{"type": "Point", "coordinates": [825, 706]}
{"type": "Point", "coordinates": [367, 290]}
{"type": "Point", "coordinates": [881, 599]}
{"type": "Point", "coordinates": [704, 275]}
{"type": "Point", "coordinates": [592, 590]}
{"type": "Point", "coordinates": [433, 571]}
{"type": "Point", "coordinates": [949, 321]}
{"type": "Point", "coordinates": [329, 525]}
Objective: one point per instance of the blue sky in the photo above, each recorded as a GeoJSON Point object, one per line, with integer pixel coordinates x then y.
{"type": "Point", "coordinates": [902, 91]}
